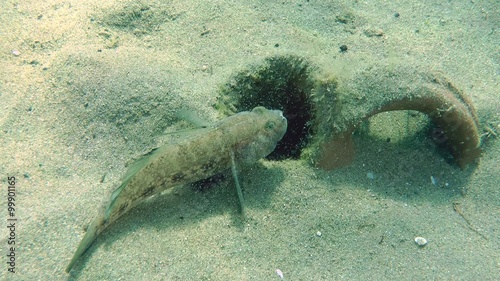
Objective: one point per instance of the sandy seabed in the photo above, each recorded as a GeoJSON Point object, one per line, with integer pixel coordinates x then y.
{"type": "Point", "coordinates": [87, 86]}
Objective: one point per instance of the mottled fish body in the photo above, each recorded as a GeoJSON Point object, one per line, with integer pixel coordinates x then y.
{"type": "Point", "coordinates": [242, 138]}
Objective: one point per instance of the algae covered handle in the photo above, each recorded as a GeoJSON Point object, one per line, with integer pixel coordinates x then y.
{"type": "Point", "coordinates": [379, 90]}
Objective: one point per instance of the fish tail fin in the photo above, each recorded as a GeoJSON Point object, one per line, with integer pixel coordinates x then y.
{"type": "Point", "coordinates": [93, 230]}
{"type": "Point", "coordinates": [101, 222]}
{"type": "Point", "coordinates": [108, 214]}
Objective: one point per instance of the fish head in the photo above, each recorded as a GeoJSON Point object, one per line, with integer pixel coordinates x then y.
{"type": "Point", "coordinates": [268, 128]}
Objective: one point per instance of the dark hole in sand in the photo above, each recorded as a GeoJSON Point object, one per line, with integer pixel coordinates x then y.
{"type": "Point", "coordinates": [281, 82]}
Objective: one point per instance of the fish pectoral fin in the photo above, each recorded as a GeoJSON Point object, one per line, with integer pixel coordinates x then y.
{"type": "Point", "coordinates": [192, 118]}
{"type": "Point", "coordinates": [237, 183]}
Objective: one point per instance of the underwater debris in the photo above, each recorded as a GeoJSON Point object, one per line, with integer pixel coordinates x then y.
{"type": "Point", "coordinates": [323, 110]}
{"type": "Point", "coordinates": [379, 90]}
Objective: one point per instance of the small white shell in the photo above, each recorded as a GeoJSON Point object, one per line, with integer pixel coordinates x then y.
{"type": "Point", "coordinates": [433, 180]}
{"type": "Point", "coordinates": [280, 273]}
{"type": "Point", "coordinates": [421, 241]}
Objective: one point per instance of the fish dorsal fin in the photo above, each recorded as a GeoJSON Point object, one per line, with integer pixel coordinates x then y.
{"type": "Point", "coordinates": [141, 162]}
{"type": "Point", "coordinates": [132, 170]}
{"type": "Point", "coordinates": [192, 118]}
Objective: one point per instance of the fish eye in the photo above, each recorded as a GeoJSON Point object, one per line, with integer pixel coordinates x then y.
{"type": "Point", "coordinates": [270, 125]}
